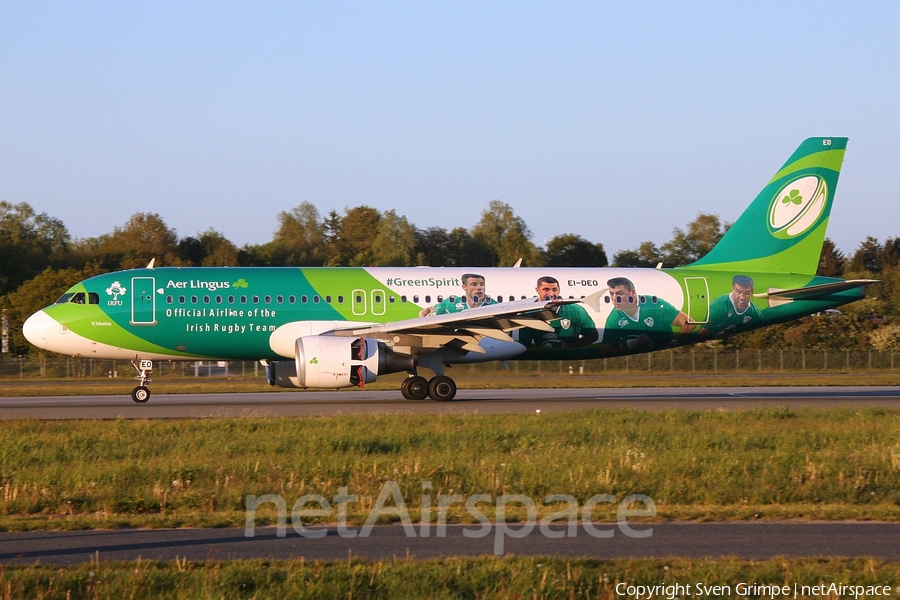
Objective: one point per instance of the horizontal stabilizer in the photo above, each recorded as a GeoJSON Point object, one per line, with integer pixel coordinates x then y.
{"type": "Point", "coordinates": [778, 297]}
{"type": "Point", "coordinates": [817, 290]}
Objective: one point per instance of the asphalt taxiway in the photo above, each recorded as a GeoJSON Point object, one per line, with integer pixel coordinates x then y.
{"type": "Point", "coordinates": [483, 401]}
{"type": "Point", "coordinates": [742, 540]}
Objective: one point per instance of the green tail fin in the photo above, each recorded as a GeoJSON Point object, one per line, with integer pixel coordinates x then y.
{"type": "Point", "coordinates": [783, 229]}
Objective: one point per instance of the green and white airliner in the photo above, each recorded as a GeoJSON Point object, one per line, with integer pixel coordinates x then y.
{"type": "Point", "coordinates": [339, 327]}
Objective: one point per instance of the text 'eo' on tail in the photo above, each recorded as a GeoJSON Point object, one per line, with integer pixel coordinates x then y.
{"type": "Point", "coordinates": [784, 228]}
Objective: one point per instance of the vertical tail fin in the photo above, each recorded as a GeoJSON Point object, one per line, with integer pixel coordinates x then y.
{"type": "Point", "coordinates": [784, 228]}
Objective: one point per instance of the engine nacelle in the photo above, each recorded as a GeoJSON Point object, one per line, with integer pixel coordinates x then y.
{"type": "Point", "coordinates": [338, 362]}
{"type": "Point", "coordinates": [282, 374]}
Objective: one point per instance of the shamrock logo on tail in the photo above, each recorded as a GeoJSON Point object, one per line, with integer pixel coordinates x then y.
{"type": "Point", "coordinates": [240, 283]}
{"type": "Point", "coordinates": [794, 196]}
{"type": "Point", "coordinates": [314, 361]}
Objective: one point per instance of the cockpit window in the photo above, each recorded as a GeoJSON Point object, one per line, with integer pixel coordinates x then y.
{"type": "Point", "coordinates": [93, 298]}
{"type": "Point", "coordinates": [77, 298]}
{"type": "Point", "coordinates": [65, 298]}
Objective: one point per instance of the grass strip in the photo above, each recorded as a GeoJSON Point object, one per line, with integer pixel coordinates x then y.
{"type": "Point", "coordinates": [452, 578]}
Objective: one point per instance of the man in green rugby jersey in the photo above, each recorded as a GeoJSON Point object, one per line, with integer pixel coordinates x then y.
{"type": "Point", "coordinates": [732, 311]}
{"type": "Point", "coordinates": [641, 322]}
{"type": "Point", "coordinates": [474, 295]}
{"type": "Point", "coordinates": [573, 329]}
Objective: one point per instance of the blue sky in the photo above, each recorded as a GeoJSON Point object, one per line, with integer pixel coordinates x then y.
{"type": "Point", "coordinates": [615, 121]}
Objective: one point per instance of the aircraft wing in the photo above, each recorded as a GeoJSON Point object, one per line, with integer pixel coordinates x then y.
{"type": "Point", "coordinates": [467, 327]}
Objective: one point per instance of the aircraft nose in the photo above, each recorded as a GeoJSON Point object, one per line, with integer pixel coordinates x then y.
{"type": "Point", "coordinates": [38, 327]}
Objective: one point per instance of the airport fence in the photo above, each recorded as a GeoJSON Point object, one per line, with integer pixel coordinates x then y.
{"type": "Point", "coordinates": [679, 360]}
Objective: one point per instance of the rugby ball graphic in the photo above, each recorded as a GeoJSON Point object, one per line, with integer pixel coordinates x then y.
{"type": "Point", "coordinates": [797, 206]}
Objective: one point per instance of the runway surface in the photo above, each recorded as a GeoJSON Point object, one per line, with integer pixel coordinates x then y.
{"type": "Point", "coordinates": [742, 540]}
{"type": "Point", "coordinates": [162, 406]}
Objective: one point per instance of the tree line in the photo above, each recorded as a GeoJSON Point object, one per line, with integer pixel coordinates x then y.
{"type": "Point", "coordinates": [39, 259]}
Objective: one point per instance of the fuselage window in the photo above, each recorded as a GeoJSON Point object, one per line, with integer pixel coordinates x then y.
{"type": "Point", "coordinates": [194, 299]}
{"type": "Point", "coordinates": [402, 298]}
{"type": "Point", "coordinates": [441, 299]}
{"type": "Point", "coordinates": [606, 299]}
{"type": "Point", "coordinates": [304, 299]}
{"type": "Point", "coordinates": [316, 299]}
{"type": "Point", "coordinates": [416, 299]}
{"type": "Point", "coordinates": [292, 299]}
{"type": "Point", "coordinates": [340, 299]}
{"type": "Point", "coordinates": [268, 299]}
{"type": "Point", "coordinates": [230, 299]}
{"type": "Point", "coordinates": [169, 299]}
{"type": "Point", "coordinates": [377, 298]}
{"type": "Point", "coordinates": [428, 299]}
{"type": "Point", "coordinates": [358, 299]}
{"type": "Point", "coordinates": [328, 299]}
{"type": "Point", "coordinates": [279, 299]}
{"type": "Point", "coordinates": [78, 298]}
{"type": "Point", "coordinates": [391, 299]}
{"type": "Point", "coordinates": [243, 299]}
{"type": "Point", "coordinates": [523, 297]}
{"type": "Point", "coordinates": [255, 299]}
{"type": "Point", "coordinates": [218, 299]}
{"type": "Point", "coordinates": [64, 298]}
{"type": "Point", "coordinates": [93, 298]}
{"type": "Point", "coordinates": [499, 298]}
{"type": "Point", "coordinates": [205, 299]}
{"type": "Point", "coordinates": [181, 300]}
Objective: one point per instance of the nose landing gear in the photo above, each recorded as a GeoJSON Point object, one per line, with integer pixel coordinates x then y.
{"type": "Point", "coordinates": [141, 393]}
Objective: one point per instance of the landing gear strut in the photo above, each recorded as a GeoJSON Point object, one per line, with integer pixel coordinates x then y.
{"type": "Point", "coordinates": [141, 393]}
{"type": "Point", "coordinates": [440, 388]}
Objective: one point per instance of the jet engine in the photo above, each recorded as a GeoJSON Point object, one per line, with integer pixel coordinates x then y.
{"type": "Point", "coordinates": [336, 362]}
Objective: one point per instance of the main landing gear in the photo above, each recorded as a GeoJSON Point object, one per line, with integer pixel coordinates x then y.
{"type": "Point", "coordinates": [141, 393]}
{"type": "Point", "coordinates": [440, 388]}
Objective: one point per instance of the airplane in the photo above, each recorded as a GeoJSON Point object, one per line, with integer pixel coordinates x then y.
{"type": "Point", "coordinates": [338, 327]}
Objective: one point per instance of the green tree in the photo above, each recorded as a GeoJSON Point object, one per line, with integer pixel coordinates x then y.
{"type": "Point", "coordinates": [300, 238]}
{"type": "Point", "coordinates": [506, 236]}
{"type": "Point", "coordinates": [218, 251]}
{"type": "Point", "coordinates": [832, 261]}
{"type": "Point", "coordinates": [647, 255]}
{"type": "Point", "coordinates": [466, 250]}
{"type": "Point", "coordinates": [433, 247]}
{"type": "Point", "coordinates": [395, 242]}
{"type": "Point", "coordinates": [29, 242]}
{"type": "Point", "coordinates": [358, 228]}
{"type": "Point", "coordinates": [866, 258]}
{"type": "Point", "coordinates": [685, 247]}
{"type": "Point", "coordinates": [144, 236]}
{"type": "Point", "coordinates": [570, 250]}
